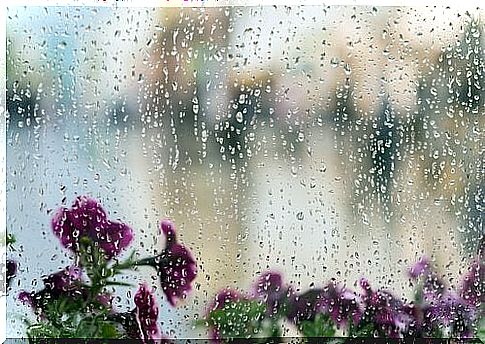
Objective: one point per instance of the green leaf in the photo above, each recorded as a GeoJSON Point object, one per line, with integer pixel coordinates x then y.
{"type": "Point", "coordinates": [108, 331]}
{"type": "Point", "coordinates": [200, 322]}
{"type": "Point", "coordinates": [86, 329]}
{"type": "Point", "coordinates": [64, 305]}
{"type": "Point", "coordinates": [364, 330]}
{"type": "Point", "coordinates": [437, 333]}
{"type": "Point", "coordinates": [240, 319]}
{"type": "Point", "coordinates": [271, 330]}
{"type": "Point", "coordinates": [481, 330]}
{"type": "Point", "coordinates": [321, 326]}
{"type": "Point", "coordinates": [10, 239]}
{"type": "Point", "coordinates": [47, 330]}
{"type": "Point", "coordinates": [123, 284]}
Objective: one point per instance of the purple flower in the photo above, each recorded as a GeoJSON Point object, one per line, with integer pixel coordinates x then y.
{"type": "Point", "coordinates": [177, 270]}
{"type": "Point", "coordinates": [390, 315]}
{"type": "Point", "coordinates": [141, 322]}
{"type": "Point", "coordinates": [473, 285]}
{"type": "Point", "coordinates": [147, 313]}
{"type": "Point", "coordinates": [65, 283]}
{"type": "Point", "coordinates": [270, 289]}
{"type": "Point", "coordinates": [168, 229]}
{"type": "Point", "coordinates": [268, 283]}
{"type": "Point", "coordinates": [334, 300]}
{"type": "Point", "coordinates": [432, 285]}
{"type": "Point", "coordinates": [453, 313]}
{"type": "Point", "coordinates": [341, 304]}
{"type": "Point", "coordinates": [306, 306]}
{"type": "Point", "coordinates": [11, 271]}
{"type": "Point", "coordinates": [105, 300]}
{"type": "Point", "coordinates": [441, 308]}
{"type": "Point", "coordinates": [26, 298]}
{"type": "Point", "coordinates": [421, 267]}
{"type": "Point", "coordinates": [64, 280]}
{"type": "Point", "coordinates": [223, 298]}
{"type": "Point", "coordinates": [87, 218]}
{"type": "Point", "coordinates": [176, 266]}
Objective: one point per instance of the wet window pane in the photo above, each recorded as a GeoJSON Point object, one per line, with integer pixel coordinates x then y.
{"type": "Point", "coordinates": [319, 142]}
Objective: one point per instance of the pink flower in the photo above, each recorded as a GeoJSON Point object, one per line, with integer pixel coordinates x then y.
{"type": "Point", "coordinates": [433, 285]}
{"type": "Point", "coordinates": [341, 304]}
{"type": "Point", "coordinates": [146, 313]}
{"type": "Point", "coordinates": [87, 218]}
{"type": "Point", "coordinates": [65, 283]}
{"type": "Point", "coordinates": [389, 314]}
{"type": "Point", "coordinates": [473, 285]}
{"type": "Point", "coordinates": [223, 298]}
{"type": "Point", "coordinates": [175, 266]}
{"type": "Point", "coordinates": [269, 288]}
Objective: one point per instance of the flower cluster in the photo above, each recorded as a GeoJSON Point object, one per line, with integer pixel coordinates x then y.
{"type": "Point", "coordinates": [175, 265]}
{"type": "Point", "coordinates": [331, 310]}
{"type": "Point", "coordinates": [87, 219]}
{"type": "Point", "coordinates": [11, 265]}
{"type": "Point", "coordinates": [76, 302]}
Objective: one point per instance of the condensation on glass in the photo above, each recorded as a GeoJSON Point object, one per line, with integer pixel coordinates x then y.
{"type": "Point", "coordinates": [321, 142]}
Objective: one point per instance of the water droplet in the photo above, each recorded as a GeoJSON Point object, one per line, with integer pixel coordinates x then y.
{"type": "Point", "coordinates": [300, 216]}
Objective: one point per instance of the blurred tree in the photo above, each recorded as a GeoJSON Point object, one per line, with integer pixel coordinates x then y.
{"type": "Point", "coordinates": [371, 143]}
{"type": "Point", "coordinates": [452, 97]}
{"type": "Point", "coordinates": [22, 92]}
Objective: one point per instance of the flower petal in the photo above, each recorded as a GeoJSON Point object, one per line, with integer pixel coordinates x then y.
{"type": "Point", "coordinates": [177, 270]}
{"type": "Point", "coordinates": [63, 280]}
{"type": "Point", "coordinates": [65, 230]}
{"type": "Point", "coordinates": [11, 271]}
{"type": "Point", "coordinates": [114, 237]}
{"type": "Point", "coordinates": [147, 313]}
{"type": "Point", "coordinates": [87, 218]}
{"type": "Point", "coordinates": [420, 268]}
{"type": "Point", "coordinates": [168, 229]}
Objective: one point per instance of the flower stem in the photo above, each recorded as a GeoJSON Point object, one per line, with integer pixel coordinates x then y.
{"type": "Point", "coordinates": [129, 263]}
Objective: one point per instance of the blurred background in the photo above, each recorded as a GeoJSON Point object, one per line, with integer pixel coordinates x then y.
{"type": "Point", "coordinates": [322, 142]}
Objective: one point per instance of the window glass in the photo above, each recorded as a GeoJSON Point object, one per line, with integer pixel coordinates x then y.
{"type": "Point", "coordinates": [316, 141]}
